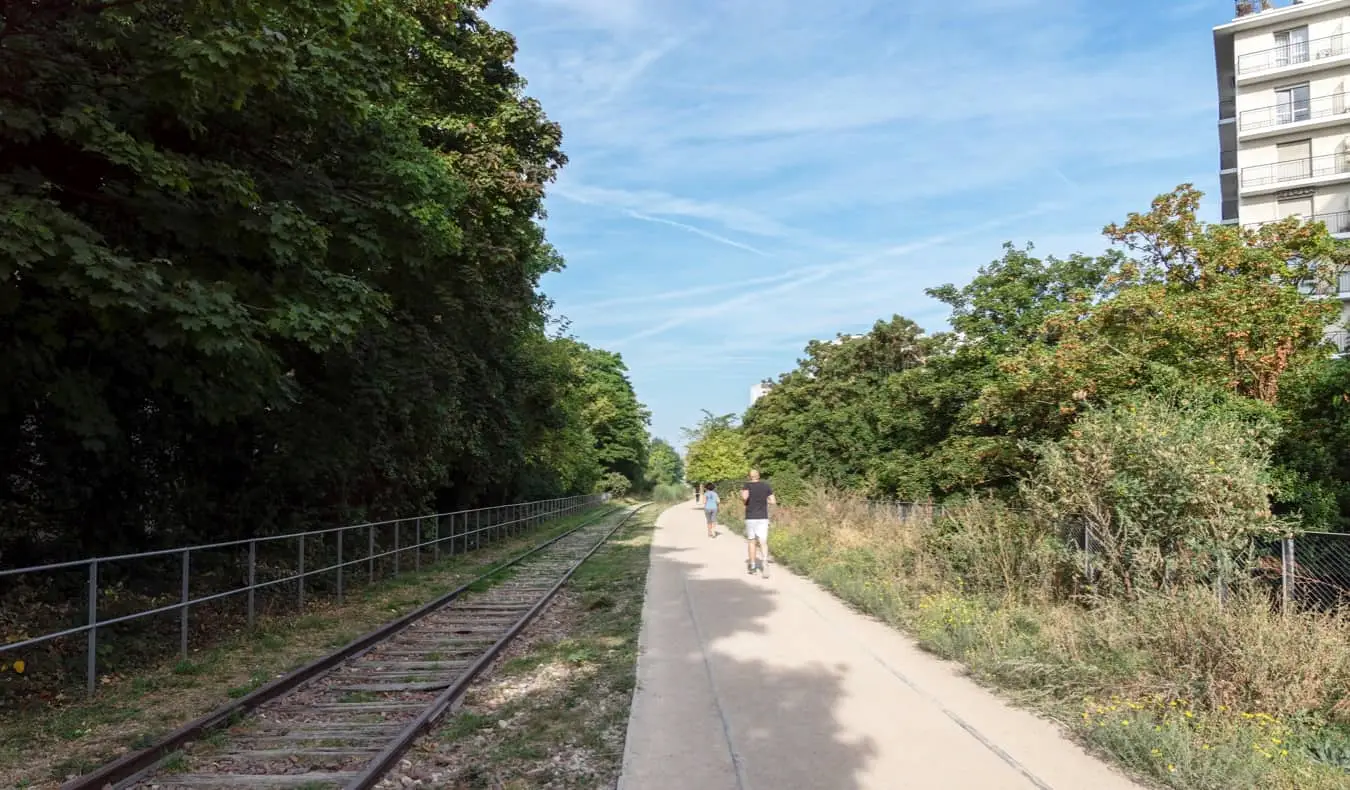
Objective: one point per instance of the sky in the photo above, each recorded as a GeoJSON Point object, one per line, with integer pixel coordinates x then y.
{"type": "Point", "coordinates": [748, 175]}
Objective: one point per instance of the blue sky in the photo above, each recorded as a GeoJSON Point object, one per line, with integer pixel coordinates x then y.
{"type": "Point", "coordinates": [747, 175]}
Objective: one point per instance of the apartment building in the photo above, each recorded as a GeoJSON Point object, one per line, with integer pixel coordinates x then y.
{"type": "Point", "coordinates": [1284, 120]}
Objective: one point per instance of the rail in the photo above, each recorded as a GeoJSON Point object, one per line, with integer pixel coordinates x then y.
{"type": "Point", "coordinates": [1292, 53]}
{"type": "Point", "coordinates": [1302, 108]}
{"type": "Point", "coordinates": [138, 767]}
{"type": "Point", "coordinates": [1300, 169]}
{"type": "Point", "coordinates": [491, 522]}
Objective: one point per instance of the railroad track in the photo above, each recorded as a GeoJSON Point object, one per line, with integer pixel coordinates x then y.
{"type": "Point", "coordinates": [345, 720]}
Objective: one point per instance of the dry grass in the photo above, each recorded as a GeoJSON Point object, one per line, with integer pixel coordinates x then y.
{"type": "Point", "coordinates": [986, 589]}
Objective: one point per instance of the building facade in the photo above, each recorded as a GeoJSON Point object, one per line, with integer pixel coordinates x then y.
{"type": "Point", "coordinates": [1284, 120]}
{"type": "Point", "coordinates": [759, 390]}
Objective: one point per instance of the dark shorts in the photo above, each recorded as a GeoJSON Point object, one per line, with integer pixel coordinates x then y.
{"type": "Point", "coordinates": [712, 516]}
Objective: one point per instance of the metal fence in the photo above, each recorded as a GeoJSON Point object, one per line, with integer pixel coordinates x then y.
{"type": "Point", "coordinates": [326, 559]}
{"type": "Point", "coordinates": [1310, 570]}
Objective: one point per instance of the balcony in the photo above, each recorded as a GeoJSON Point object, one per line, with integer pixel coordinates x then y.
{"type": "Point", "coordinates": [1337, 285]}
{"type": "Point", "coordinates": [1227, 109]}
{"type": "Point", "coordinates": [1292, 54]}
{"type": "Point", "coordinates": [1297, 111]}
{"type": "Point", "coordinates": [1337, 222]}
{"type": "Point", "coordinates": [1296, 170]}
{"type": "Point", "coordinates": [1341, 340]}
{"type": "Point", "coordinates": [1228, 159]}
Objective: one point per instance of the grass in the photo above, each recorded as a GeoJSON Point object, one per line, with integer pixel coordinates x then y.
{"type": "Point", "coordinates": [1178, 689]}
{"type": "Point", "coordinates": [554, 710]}
{"type": "Point", "coordinates": [46, 744]}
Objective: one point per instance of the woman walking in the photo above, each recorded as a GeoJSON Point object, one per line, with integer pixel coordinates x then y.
{"type": "Point", "coordinates": [710, 502]}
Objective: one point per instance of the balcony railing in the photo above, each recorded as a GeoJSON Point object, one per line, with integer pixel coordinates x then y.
{"type": "Point", "coordinates": [1292, 54]}
{"type": "Point", "coordinates": [1229, 210]}
{"type": "Point", "coordinates": [1337, 285]}
{"type": "Point", "coordinates": [1292, 112]}
{"type": "Point", "coordinates": [1336, 221]}
{"type": "Point", "coordinates": [1296, 170]}
{"type": "Point", "coordinates": [1227, 108]}
{"type": "Point", "coordinates": [1227, 159]}
{"type": "Point", "coordinates": [1340, 339]}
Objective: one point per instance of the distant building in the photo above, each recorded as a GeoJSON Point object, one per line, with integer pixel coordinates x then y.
{"type": "Point", "coordinates": [1284, 122]}
{"type": "Point", "coordinates": [759, 390]}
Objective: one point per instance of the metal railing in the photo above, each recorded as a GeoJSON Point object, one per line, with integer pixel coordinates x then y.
{"type": "Point", "coordinates": [1229, 209]}
{"type": "Point", "coordinates": [1292, 54]}
{"type": "Point", "coordinates": [1338, 284]}
{"type": "Point", "coordinates": [1227, 108]}
{"type": "Point", "coordinates": [1228, 159]}
{"type": "Point", "coordinates": [450, 533]}
{"type": "Point", "coordinates": [1278, 115]}
{"type": "Point", "coordinates": [1339, 338]}
{"type": "Point", "coordinates": [1335, 221]}
{"type": "Point", "coordinates": [1296, 170]}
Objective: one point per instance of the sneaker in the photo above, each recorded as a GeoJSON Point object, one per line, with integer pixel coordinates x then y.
{"type": "Point", "coordinates": [749, 567]}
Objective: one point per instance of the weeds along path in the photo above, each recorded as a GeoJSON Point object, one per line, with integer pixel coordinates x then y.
{"type": "Point", "coordinates": [351, 717]}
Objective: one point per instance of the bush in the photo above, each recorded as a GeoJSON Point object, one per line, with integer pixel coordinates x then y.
{"type": "Point", "coordinates": [1172, 492]}
{"type": "Point", "coordinates": [670, 492]}
{"type": "Point", "coordinates": [614, 484]}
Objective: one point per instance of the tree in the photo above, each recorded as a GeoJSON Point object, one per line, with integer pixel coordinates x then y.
{"type": "Point", "coordinates": [269, 264]}
{"type": "Point", "coordinates": [664, 466]}
{"type": "Point", "coordinates": [716, 450]}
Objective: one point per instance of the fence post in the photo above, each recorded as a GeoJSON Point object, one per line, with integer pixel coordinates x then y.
{"type": "Point", "coordinates": [417, 552]}
{"type": "Point", "coordinates": [300, 577]}
{"type": "Point", "coordinates": [252, 580]}
{"type": "Point", "coordinates": [478, 529]}
{"type": "Point", "coordinates": [342, 533]}
{"type": "Point", "coordinates": [370, 554]}
{"type": "Point", "coordinates": [397, 524]}
{"type": "Point", "coordinates": [1287, 571]}
{"type": "Point", "coordinates": [91, 659]}
{"type": "Point", "coordinates": [183, 613]}
{"type": "Point", "coordinates": [1087, 551]}
{"type": "Point", "coordinates": [436, 544]}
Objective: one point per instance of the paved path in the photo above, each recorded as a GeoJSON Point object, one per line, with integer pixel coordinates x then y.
{"type": "Point", "coordinates": [747, 683]}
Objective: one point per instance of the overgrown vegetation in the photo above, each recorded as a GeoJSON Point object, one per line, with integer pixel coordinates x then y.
{"type": "Point", "coordinates": [1177, 686]}
{"type": "Point", "coordinates": [1172, 406]}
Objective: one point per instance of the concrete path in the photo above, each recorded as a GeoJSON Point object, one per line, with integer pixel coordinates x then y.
{"type": "Point", "coordinates": [746, 683]}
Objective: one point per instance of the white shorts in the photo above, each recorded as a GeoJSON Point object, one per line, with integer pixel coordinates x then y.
{"type": "Point", "coordinates": [757, 528]}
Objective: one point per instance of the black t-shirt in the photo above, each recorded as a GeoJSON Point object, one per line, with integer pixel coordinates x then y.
{"type": "Point", "coordinates": [757, 504]}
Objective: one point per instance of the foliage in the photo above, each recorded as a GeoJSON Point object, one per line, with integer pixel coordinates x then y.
{"type": "Point", "coordinates": [269, 264]}
{"type": "Point", "coordinates": [1173, 490]}
{"type": "Point", "coordinates": [664, 465]}
{"type": "Point", "coordinates": [1315, 444]}
{"type": "Point", "coordinates": [716, 450]}
{"type": "Point", "coordinates": [614, 484]}
{"type": "Point", "coordinates": [1038, 342]}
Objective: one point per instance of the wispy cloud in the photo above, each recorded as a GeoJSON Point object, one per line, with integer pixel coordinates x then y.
{"type": "Point", "coordinates": [747, 170]}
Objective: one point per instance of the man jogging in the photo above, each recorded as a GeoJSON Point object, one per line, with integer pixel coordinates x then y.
{"type": "Point", "coordinates": [757, 496]}
{"type": "Point", "coordinates": [710, 502]}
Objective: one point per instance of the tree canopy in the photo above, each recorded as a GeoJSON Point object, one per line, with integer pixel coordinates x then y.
{"type": "Point", "coordinates": [1175, 305]}
{"type": "Point", "coordinates": [715, 450]}
{"type": "Point", "coordinates": [266, 263]}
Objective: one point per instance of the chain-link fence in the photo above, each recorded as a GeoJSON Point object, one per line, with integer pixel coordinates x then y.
{"type": "Point", "coordinates": [1308, 571]}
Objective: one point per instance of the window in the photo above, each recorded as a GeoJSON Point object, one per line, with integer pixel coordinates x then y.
{"type": "Point", "coordinates": [1295, 160]}
{"type": "Point", "coordinates": [1291, 46]}
{"type": "Point", "coordinates": [1301, 207]}
{"type": "Point", "coordinates": [1293, 104]}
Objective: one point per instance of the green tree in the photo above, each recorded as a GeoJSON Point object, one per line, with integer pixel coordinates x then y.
{"type": "Point", "coordinates": [715, 450]}
{"type": "Point", "coordinates": [664, 465]}
{"type": "Point", "coordinates": [267, 263]}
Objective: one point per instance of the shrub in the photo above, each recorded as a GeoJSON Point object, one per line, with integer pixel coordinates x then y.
{"type": "Point", "coordinates": [1172, 493]}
